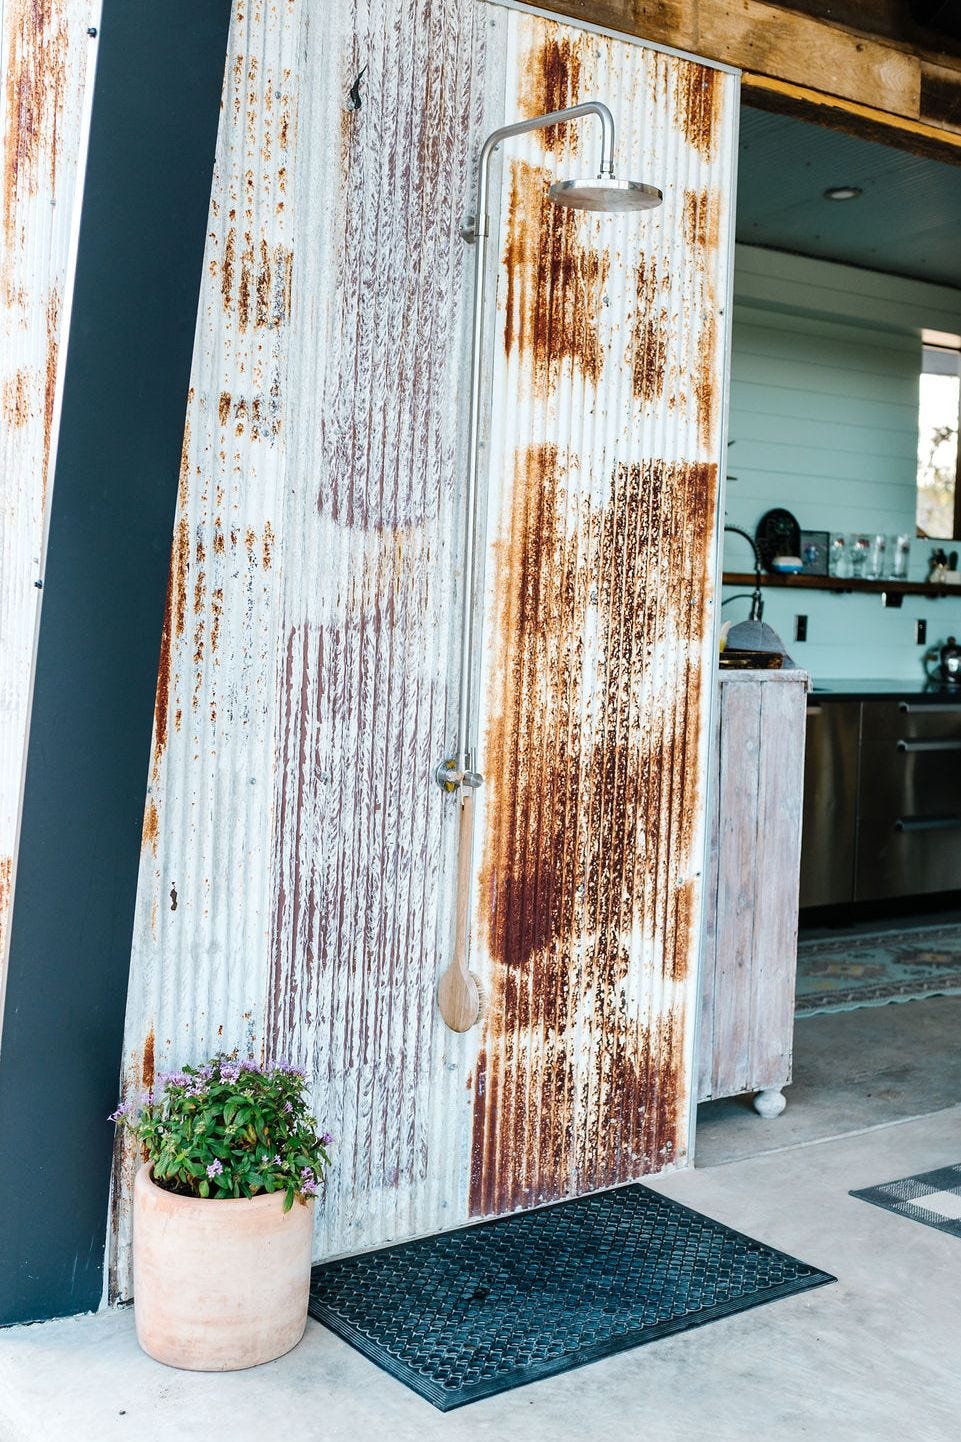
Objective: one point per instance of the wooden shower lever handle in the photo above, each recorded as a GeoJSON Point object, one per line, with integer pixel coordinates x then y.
{"type": "Point", "coordinates": [458, 991]}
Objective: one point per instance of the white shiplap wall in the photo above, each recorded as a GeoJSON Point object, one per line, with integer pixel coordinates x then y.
{"type": "Point", "coordinates": [824, 422]}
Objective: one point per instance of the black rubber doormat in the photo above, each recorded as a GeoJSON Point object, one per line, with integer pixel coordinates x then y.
{"type": "Point", "coordinates": [933, 1198]}
{"type": "Point", "coordinates": [469, 1313]}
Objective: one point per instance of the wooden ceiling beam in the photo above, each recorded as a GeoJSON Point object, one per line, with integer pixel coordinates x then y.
{"type": "Point", "coordinates": [793, 61]}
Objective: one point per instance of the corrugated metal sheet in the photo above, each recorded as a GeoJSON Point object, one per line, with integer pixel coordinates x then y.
{"type": "Point", "coordinates": [46, 60]}
{"type": "Point", "coordinates": [604, 446]}
{"type": "Point", "coordinates": [298, 864]}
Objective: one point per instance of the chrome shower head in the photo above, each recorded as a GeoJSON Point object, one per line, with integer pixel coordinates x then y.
{"type": "Point", "coordinates": [606, 194]}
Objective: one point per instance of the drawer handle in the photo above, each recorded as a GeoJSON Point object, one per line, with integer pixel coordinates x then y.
{"type": "Point", "coordinates": [935, 707]}
{"type": "Point", "coordinates": [814, 710]}
{"type": "Point", "coordinates": [927, 823]}
{"type": "Point", "coordinates": [948, 744]}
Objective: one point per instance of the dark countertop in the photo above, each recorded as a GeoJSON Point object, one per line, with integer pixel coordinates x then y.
{"type": "Point", "coordinates": [885, 690]}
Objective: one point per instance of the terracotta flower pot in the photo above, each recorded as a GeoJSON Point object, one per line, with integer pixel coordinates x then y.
{"type": "Point", "coordinates": [218, 1284]}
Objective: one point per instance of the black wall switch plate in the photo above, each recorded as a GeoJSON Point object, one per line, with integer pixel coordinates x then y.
{"type": "Point", "coordinates": [920, 631]}
{"type": "Point", "coordinates": [800, 628]}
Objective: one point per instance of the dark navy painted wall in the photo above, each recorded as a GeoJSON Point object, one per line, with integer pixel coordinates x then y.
{"type": "Point", "coordinates": [155, 114]}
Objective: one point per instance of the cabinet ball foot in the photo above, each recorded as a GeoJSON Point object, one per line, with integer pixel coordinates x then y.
{"type": "Point", "coordinates": [770, 1103]}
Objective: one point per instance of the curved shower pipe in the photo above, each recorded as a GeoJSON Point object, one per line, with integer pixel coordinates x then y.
{"type": "Point", "coordinates": [458, 992]}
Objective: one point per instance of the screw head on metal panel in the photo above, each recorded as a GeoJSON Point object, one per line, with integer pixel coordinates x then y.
{"type": "Point", "coordinates": [92, 31]}
{"type": "Point", "coordinates": [39, 585]}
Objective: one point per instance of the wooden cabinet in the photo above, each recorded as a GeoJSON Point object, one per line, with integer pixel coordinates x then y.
{"type": "Point", "coordinates": [750, 952]}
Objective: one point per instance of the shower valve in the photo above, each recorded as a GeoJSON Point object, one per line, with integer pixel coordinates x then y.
{"type": "Point", "coordinates": [449, 776]}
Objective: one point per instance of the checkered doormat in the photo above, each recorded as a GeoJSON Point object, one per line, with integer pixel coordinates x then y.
{"type": "Point", "coordinates": [933, 1198]}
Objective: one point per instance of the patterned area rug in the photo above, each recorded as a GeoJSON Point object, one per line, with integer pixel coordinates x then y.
{"type": "Point", "coordinates": [872, 968]}
{"type": "Point", "coordinates": [933, 1198]}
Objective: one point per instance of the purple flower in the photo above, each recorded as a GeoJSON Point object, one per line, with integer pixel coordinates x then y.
{"type": "Point", "coordinates": [229, 1071]}
{"type": "Point", "coordinates": [326, 1139]}
{"type": "Point", "coordinates": [288, 1107]}
{"type": "Point", "coordinates": [308, 1188]}
{"type": "Point", "coordinates": [122, 1111]}
{"type": "Point", "coordinates": [248, 1065]}
{"type": "Point", "coordinates": [277, 1160]}
{"type": "Point", "coordinates": [215, 1168]}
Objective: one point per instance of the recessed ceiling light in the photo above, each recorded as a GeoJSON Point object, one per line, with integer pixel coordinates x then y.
{"type": "Point", "coordinates": [842, 192]}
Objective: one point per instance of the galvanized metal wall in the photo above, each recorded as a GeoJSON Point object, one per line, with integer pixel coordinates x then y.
{"type": "Point", "coordinates": [604, 456]}
{"type": "Point", "coordinates": [298, 861]}
{"type": "Point", "coordinates": [46, 64]}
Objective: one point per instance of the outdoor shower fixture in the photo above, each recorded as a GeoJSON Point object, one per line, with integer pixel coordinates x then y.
{"type": "Point", "coordinates": [458, 992]}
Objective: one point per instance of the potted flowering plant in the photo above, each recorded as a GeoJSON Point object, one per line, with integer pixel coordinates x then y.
{"type": "Point", "coordinates": [223, 1212]}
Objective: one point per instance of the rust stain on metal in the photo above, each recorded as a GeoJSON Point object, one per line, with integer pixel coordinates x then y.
{"type": "Point", "coordinates": [264, 315]}
{"type": "Point", "coordinates": [175, 610]}
{"type": "Point", "coordinates": [590, 826]}
{"type": "Point", "coordinates": [227, 268]}
{"type": "Point", "coordinates": [702, 219]}
{"type": "Point", "coordinates": [246, 284]}
{"type": "Point", "coordinates": [698, 100]}
{"type": "Point", "coordinates": [223, 407]}
{"type": "Point", "coordinates": [216, 610]}
{"type": "Point", "coordinates": [651, 330]}
{"type": "Point", "coordinates": [554, 284]}
{"type": "Point", "coordinates": [182, 479]}
{"type": "Point", "coordinates": [6, 895]}
{"type": "Point", "coordinates": [35, 60]}
{"type": "Point", "coordinates": [268, 545]}
{"type": "Point", "coordinates": [151, 827]}
{"type": "Point", "coordinates": [705, 380]}
{"type": "Point", "coordinates": [181, 570]}
{"type": "Point", "coordinates": [147, 1069]}
{"type": "Point", "coordinates": [50, 385]}
{"type": "Point", "coordinates": [553, 77]}
{"type": "Point", "coordinates": [16, 399]}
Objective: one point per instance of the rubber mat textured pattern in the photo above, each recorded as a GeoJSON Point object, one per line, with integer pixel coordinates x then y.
{"type": "Point", "coordinates": [472, 1312]}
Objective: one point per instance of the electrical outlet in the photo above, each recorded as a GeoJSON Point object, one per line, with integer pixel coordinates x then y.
{"type": "Point", "coordinates": [800, 628]}
{"type": "Point", "coordinates": [920, 631]}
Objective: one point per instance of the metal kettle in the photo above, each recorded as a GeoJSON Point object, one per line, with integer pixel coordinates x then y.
{"type": "Point", "coordinates": [948, 668]}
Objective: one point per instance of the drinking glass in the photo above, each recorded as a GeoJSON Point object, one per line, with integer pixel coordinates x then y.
{"type": "Point", "coordinates": [839, 558]}
{"type": "Point", "coordinates": [859, 547]}
{"type": "Point", "coordinates": [899, 552]}
{"type": "Point", "coordinates": [876, 557]}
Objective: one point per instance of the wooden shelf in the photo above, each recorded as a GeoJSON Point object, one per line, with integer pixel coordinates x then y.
{"type": "Point", "coordinates": [840, 585]}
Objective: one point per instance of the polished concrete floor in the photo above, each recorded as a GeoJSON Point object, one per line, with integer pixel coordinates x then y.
{"type": "Point", "coordinates": [877, 1095]}
{"type": "Point", "coordinates": [852, 1070]}
{"type": "Point", "coordinates": [872, 1358]}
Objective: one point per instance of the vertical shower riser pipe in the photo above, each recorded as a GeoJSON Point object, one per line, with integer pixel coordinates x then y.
{"type": "Point", "coordinates": [456, 772]}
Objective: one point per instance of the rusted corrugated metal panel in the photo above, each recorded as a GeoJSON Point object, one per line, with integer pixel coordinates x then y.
{"type": "Point", "coordinates": [46, 63]}
{"type": "Point", "coordinates": [605, 441]}
{"type": "Point", "coordinates": [299, 859]}
{"type": "Point", "coordinates": [364, 840]}
{"type": "Point", "coordinates": [199, 966]}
